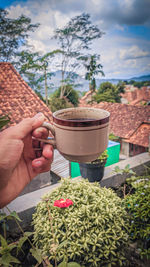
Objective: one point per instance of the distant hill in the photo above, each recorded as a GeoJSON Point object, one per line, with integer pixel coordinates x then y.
{"type": "Point", "coordinates": [141, 78]}
{"type": "Point", "coordinates": [83, 85]}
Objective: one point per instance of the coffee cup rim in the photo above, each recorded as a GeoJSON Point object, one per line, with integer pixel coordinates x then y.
{"type": "Point", "coordinates": [80, 123]}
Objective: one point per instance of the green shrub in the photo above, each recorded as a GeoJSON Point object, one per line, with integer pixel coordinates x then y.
{"type": "Point", "coordinates": [69, 93]}
{"type": "Point", "coordinates": [58, 103]}
{"type": "Point", "coordinates": [93, 231]}
{"type": "Point", "coordinates": [138, 206]}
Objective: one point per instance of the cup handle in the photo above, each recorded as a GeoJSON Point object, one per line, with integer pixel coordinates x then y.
{"type": "Point", "coordinates": [50, 140]}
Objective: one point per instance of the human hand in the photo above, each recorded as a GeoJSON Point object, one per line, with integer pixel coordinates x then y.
{"type": "Point", "coordinates": [19, 162]}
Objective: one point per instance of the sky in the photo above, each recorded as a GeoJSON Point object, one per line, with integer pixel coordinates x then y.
{"type": "Point", "coordinates": [125, 45]}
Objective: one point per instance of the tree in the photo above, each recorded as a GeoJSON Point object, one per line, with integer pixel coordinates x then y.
{"type": "Point", "coordinates": [13, 34]}
{"type": "Point", "coordinates": [74, 39]}
{"type": "Point", "coordinates": [58, 103]}
{"type": "Point", "coordinates": [70, 99]}
{"type": "Point", "coordinates": [109, 92]}
{"type": "Point", "coordinates": [40, 65]}
{"type": "Point", "coordinates": [121, 86]}
{"type": "Point", "coordinates": [26, 62]}
{"type": "Point", "coordinates": [71, 94]}
{"type": "Point", "coordinates": [93, 68]}
{"type": "Point", "coordinates": [44, 68]}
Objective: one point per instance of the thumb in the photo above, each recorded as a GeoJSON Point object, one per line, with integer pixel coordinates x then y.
{"type": "Point", "coordinates": [26, 126]}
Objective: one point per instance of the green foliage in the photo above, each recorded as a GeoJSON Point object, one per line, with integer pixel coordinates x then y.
{"type": "Point", "coordinates": [9, 251]}
{"type": "Point", "coordinates": [126, 170]}
{"type": "Point", "coordinates": [13, 34]}
{"type": "Point", "coordinates": [26, 62]}
{"type": "Point", "coordinates": [39, 95]}
{"type": "Point", "coordinates": [138, 84]}
{"type": "Point", "coordinates": [138, 206]}
{"type": "Point", "coordinates": [93, 68]}
{"type": "Point", "coordinates": [101, 159]}
{"type": "Point", "coordinates": [6, 257]}
{"type": "Point", "coordinates": [5, 253]}
{"type": "Point", "coordinates": [4, 120]}
{"type": "Point", "coordinates": [13, 215]}
{"type": "Point", "coordinates": [74, 39]}
{"type": "Point", "coordinates": [56, 103]}
{"type": "Point", "coordinates": [36, 253]}
{"type": "Point", "coordinates": [113, 137]}
{"type": "Point", "coordinates": [70, 264]}
{"type": "Point", "coordinates": [95, 227]}
{"type": "Point", "coordinates": [35, 68]}
{"type": "Point", "coordinates": [109, 92]}
{"type": "Point", "coordinates": [71, 94]}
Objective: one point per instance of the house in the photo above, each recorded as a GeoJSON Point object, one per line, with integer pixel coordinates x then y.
{"type": "Point", "coordinates": [18, 101]}
{"type": "Point", "coordinates": [87, 97]}
{"type": "Point", "coordinates": [136, 96]}
{"type": "Point", "coordinates": [130, 123]}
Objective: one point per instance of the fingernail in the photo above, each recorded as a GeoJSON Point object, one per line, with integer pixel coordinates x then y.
{"type": "Point", "coordinates": [38, 163]}
{"type": "Point", "coordinates": [39, 115]}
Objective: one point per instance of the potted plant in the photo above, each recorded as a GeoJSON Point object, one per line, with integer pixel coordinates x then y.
{"type": "Point", "coordinates": [94, 170]}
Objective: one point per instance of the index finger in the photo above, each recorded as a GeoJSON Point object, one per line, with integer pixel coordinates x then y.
{"type": "Point", "coordinates": [25, 127]}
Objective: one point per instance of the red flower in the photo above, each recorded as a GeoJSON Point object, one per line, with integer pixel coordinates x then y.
{"type": "Point", "coordinates": [61, 203]}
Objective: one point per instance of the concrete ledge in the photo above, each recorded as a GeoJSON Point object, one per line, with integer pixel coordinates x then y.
{"type": "Point", "coordinates": [137, 163]}
{"type": "Point", "coordinates": [24, 205]}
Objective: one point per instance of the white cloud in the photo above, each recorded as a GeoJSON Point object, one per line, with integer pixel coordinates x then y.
{"type": "Point", "coordinates": [16, 11]}
{"type": "Point", "coordinates": [120, 56]}
{"type": "Point", "coordinates": [119, 27]}
{"type": "Point", "coordinates": [43, 32]}
{"type": "Point", "coordinates": [133, 52]}
{"type": "Point", "coordinates": [37, 46]}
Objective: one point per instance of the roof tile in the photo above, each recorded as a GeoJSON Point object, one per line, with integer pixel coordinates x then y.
{"type": "Point", "coordinates": [125, 119]}
{"type": "Point", "coordinates": [17, 99]}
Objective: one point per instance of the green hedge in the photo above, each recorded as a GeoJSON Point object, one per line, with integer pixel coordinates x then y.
{"type": "Point", "coordinates": [93, 231]}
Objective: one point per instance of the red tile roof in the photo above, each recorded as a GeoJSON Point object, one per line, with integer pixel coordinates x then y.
{"type": "Point", "coordinates": [17, 99]}
{"type": "Point", "coordinates": [141, 135]}
{"type": "Point", "coordinates": [137, 96]}
{"type": "Point", "coordinates": [125, 120]}
{"type": "Point", "coordinates": [87, 97]}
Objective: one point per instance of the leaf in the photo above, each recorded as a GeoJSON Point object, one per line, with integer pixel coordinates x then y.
{"type": "Point", "coordinates": [3, 242]}
{"type": "Point", "coordinates": [108, 265]}
{"type": "Point", "coordinates": [11, 246]}
{"type": "Point", "coordinates": [21, 242]}
{"type": "Point", "coordinates": [2, 216]}
{"type": "Point", "coordinates": [63, 264]}
{"type": "Point", "coordinates": [127, 167]}
{"type": "Point", "coordinates": [14, 215]}
{"type": "Point", "coordinates": [117, 169]}
{"type": "Point", "coordinates": [7, 258]}
{"type": "Point", "coordinates": [27, 234]}
{"type": "Point", "coordinates": [4, 121]}
{"type": "Point", "coordinates": [62, 244]}
{"type": "Point", "coordinates": [36, 253]}
{"type": "Point", "coordinates": [69, 264]}
{"type": "Point", "coordinates": [73, 264]}
{"type": "Point", "coordinates": [132, 172]}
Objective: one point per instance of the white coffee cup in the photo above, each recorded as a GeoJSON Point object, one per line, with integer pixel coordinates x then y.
{"type": "Point", "coordinates": [80, 134]}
